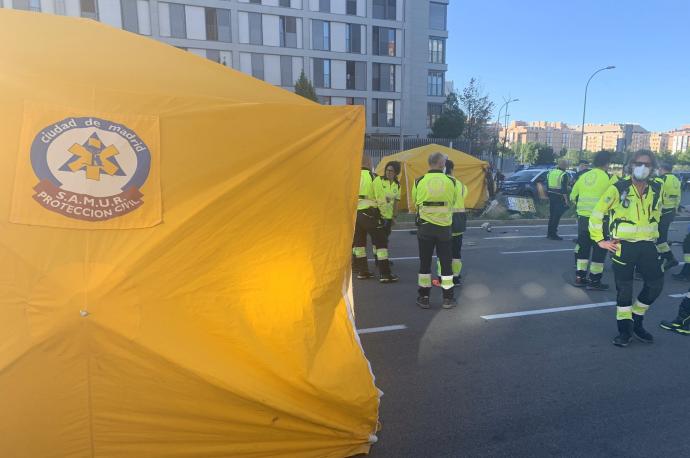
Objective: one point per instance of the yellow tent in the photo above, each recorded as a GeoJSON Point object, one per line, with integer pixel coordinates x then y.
{"type": "Point", "coordinates": [174, 278]}
{"type": "Point", "coordinates": [468, 169]}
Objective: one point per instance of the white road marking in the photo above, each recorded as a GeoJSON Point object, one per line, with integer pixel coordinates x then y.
{"type": "Point", "coordinates": [677, 296]}
{"type": "Point", "coordinates": [522, 227]}
{"type": "Point", "coordinates": [550, 310]}
{"type": "Point", "coordinates": [394, 327]}
{"type": "Point", "coordinates": [525, 237]}
{"type": "Point", "coordinates": [537, 251]}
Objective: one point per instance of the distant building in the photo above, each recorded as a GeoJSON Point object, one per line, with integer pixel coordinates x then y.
{"type": "Point", "coordinates": [679, 140]}
{"type": "Point", "coordinates": [557, 135]}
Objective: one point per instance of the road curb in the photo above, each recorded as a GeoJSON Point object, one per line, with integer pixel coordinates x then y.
{"type": "Point", "coordinates": [514, 222]}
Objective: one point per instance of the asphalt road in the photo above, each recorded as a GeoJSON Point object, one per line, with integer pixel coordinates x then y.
{"type": "Point", "coordinates": [546, 384]}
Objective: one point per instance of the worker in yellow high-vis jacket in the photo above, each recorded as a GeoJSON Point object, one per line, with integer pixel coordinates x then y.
{"type": "Point", "coordinates": [587, 191]}
{"type": "Point", "coordinates": [634, 207]}
{"type": "Point", "coordinates": [433, 196]}
{"type": "Point", "coordinates": [387, 193]}
{"type": "Point", "coordinates": [557, 181]}
{"type": "Point", "coordinates": [369, 221]}
{"type": "Point", "coordinates": [458, 226]}
{"type": "Point", "coordinates": [670, 201]}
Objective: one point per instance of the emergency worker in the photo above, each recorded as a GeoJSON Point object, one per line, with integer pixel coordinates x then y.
{"type": "Point", "coordinates": [369, 221]}
{"type": "Point", "coordinates": [458, 227]}
{"type": "Point", "coordinates": [586, 192]}
{"type": "Point", "coordinates": [433, 196]}
{"type": "Point", "coordinates": [557, 185]}
{"type": "Point", "coordinates": [634, 206]}
{"type": "Point", "coordinates": [670, 201]}
{"type": "Point", "coordinates": [387, 192]}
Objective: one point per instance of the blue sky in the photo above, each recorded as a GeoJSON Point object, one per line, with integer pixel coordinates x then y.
{"type": "Point", "coordinates": [543, 52]}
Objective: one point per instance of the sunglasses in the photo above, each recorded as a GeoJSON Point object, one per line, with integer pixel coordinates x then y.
{"type": "Point", "coordinates": [638, 164]}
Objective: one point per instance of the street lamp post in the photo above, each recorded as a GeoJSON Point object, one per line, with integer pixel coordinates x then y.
{"type": "Point", "coordinates": [584, 108]}
{"type": "Point", "coordinates": [498, 129]}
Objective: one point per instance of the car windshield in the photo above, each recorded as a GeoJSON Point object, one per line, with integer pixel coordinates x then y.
{"type": "Point", "coordinates": [523, 175]}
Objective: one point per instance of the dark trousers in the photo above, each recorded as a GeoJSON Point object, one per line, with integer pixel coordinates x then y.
{"type": "Point", "coordinates": [456, 247]}
{"type": "Point", "coordinates": [586, 247]}
{"type": "Point", "coordinates": [662, 242]}
{"type": "Point", "coordinates": [643, 257]}
{"type": "Point", "coordinates": [368, 222]}
{"type": "Point", "coordinates": [431, 237]}
{"type": "Point", "coordinates": [556, 209]}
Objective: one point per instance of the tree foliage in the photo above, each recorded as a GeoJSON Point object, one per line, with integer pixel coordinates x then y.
{"type": "Point", "coordinates": [451, 123]}
{"type": "Point", "coordinates": [304, 88]}
{"type": "Point", "coordinates": [535, 153]}
{"type": "Point", "coordinates": [478, 109]}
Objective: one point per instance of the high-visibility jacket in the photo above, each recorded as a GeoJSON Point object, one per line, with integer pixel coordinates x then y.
{"type": "Point", "coordinates": [459, 214]}
{"type": "Point", "coordinates": [367, 197]}
{"type": "Point", "coordinates": [670, 192]}
{"type": "Point", "coordinates": [633, 217]}
{"type": "Point", "coordinates": [434, 196]}
{"type": "Point", "coordinates": [387, 194]}
{"type": "Point", "coordinates": [557, 181]}
{"type": "Point", "coordinates": [588, 190]}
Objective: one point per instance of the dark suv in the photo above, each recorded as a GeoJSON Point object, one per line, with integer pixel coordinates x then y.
{"type": "Point", "coordinates": [524, 183]}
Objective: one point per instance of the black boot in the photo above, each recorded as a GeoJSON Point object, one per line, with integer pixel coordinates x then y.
{"type": "Point", "coordinates": [681, 325]}
{"type": "Point", "coordinates": [624, 336]}
{"type": "Point", "coordinates": [362, 268]}
{"type": "Point", "coordinates": [639, 331]}
{"type": "Point", "coordinates": [684, 274]}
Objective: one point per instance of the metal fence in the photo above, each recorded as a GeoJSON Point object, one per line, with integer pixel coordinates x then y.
{"type": "Point", "coordinates": [378, 147]}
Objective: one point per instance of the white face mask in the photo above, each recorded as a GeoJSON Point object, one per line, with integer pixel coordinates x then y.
{"type": "Point", "coordinates": [641, 172]}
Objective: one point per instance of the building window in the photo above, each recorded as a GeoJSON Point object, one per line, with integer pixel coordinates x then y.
{"type": "Point", "coordinates": [437, 16]}
{"type": "Point", "coordinates": [437, 50]}
{"type": "Point", "coordinates": [217, 24]}
{"type": "Point", "coordinates": [321, 35]}
{"type": "Point", "coordinates": [285, 3]}
{"type": "Point", "coordinates": [383, 113]}
{"type": "Point", "coordinates": [288, 32]}
{"type": "Point", "coordinates": [384, 9]}
{"type": "Point", "coordinates": [286, 71]}
{"type": "Point", "coordinates": [356, 75]}
{"type": "Point", "coordinates": [383, 78]}
{"type": "Point", "coordinates": [435, 83]}
{"type": "Point", "coordinates": [353, 38]}
{"type": "Point", "coordinates": [355, 101]}
{"type": "Point", "coordinates": [433, 112]}
{"type": "Point", "coordinates": [258, 66]}
{"type": "Point", "coordinates": [27, 5]}
{"type": "Point", "coordinates": [322, 73]}
{"type": "Point", "coordinates": [256, 2]}
{"type": "Point", "coordinates": [88, 9]}
{"type": "Point", "coordinates": [220, 57]}
{"type": "Point", "coordinates": [351, 7]}
{"type": "Point", "coordinates": [324, 99]}
{"type": "Point", "coordinates": [325, 7]}
{"type": "Point", "coordinates": [256, 36]}
{"type": "Point", "coordinates": [136, 16]}
{"type": "Point", "coordinates": [383, 41]}
{"type": "Point", "coordinates": [177, 21]}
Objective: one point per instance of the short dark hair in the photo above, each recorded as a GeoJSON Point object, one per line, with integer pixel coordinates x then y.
{"type": "Point", "coordinates": [639, 154]}
{"type": "Point", "coordinates": [602, 158]}
{"type": "Point", "coordinates": [666, 166]}
{"type": "Point", "coordinates": [395, 165]}
{"type": "Point", "coordinates": [449, 166]}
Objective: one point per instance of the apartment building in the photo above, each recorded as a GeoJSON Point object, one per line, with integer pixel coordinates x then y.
{"type": "Point", "coordinates": [557, 135]}
{"type": "Point", "coordinates": [679, 140]}
{"type": "Point", "coordinates": [389, 55]}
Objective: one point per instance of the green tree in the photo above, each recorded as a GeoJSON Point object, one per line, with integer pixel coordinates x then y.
{"type": "Point", "coordinates": [304, 88]}
{"type": "Point", "coordinates": [478, 109]}
{"type": "Point", "coordinates": [684, 157]}
{"type": "Point", "coordinates": [545, 154]}
{"type": "Point", "coordinates": [452, 120]}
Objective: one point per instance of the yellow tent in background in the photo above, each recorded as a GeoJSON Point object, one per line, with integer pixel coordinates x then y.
{"type": "Point", "coordinates": [468, 169]}
{"type": "Point", "coordinates": [174, 278]}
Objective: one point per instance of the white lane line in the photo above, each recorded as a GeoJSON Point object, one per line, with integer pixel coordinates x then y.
{"type": "Point", "coordinates": [537, 251]}
{"type": "Point", "coordinates": [525, 237]}
{"type": "Point", "coordinates": [551, 310]}
{"type": "Point", "coordinates": [407, 258]}
{"type": "Point", "coordinates": [394, 327]}
{"type": "Point", "coordinates": [677, 296]}
{"type": "Point", "coordinates": [528, 226]}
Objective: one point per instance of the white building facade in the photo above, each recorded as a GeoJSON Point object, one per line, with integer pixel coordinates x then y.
{"type": "Point", "coordinates": [389, 55]}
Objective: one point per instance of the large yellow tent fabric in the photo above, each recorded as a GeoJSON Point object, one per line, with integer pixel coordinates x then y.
{"type": "Point", "coordinates": [174, 278]}
{"type": "Point", "coordinates": [414, 163]}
